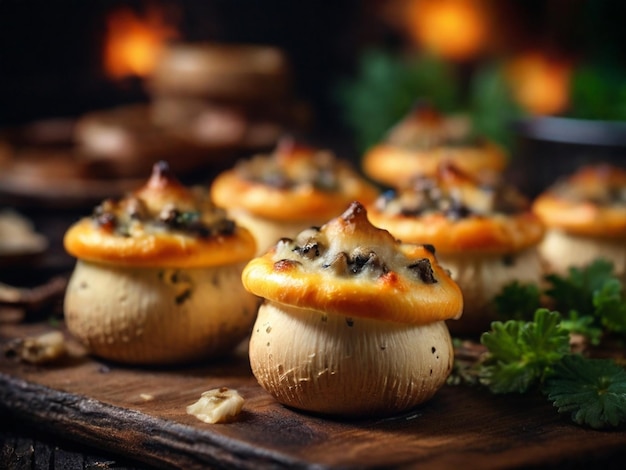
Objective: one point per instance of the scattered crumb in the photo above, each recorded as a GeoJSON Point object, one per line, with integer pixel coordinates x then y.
{"type": "Point", "coordinates": [42, 349]}
{"type": "Point", "coordinates": [146, 396]}
{"type": "Point", "coordinates": [219, 405]}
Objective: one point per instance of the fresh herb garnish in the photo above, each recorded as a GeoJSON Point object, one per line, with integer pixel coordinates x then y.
{"type": "Point", "coordinates": [589, 298]}
{"type": "Point", "coordinates": [610, 307]}
{"type": "Point", "coordinates": [593, 391]}
{"type": "Point", "coordinates": [522, 353]}
{"type": "Point", "coordinates": [518, 301]}
{"type": "Point", "coordinates": [575, 290]}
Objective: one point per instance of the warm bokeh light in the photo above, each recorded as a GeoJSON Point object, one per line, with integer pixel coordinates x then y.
{"type": "Point", "coordinates": [133, 42]}
{"type": "Point", "coordinates": [540, 84]}
{"type": "Point", "coordinates": [453, 29]}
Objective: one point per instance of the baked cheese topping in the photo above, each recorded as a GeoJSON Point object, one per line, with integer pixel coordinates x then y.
{"type": "Point", "coordinates": [456, 212]}
{"type": "Point", "coordinates": [295, 182]}
{"type": "Point", "coordinates": [424, 128]}
{"type": "Point", "coordinates": [352, 268]}
{"type": "Point", "coordinates": [454, 194]}
{"type": "Point", "coordinates": [131, 217]}
{"type": "Point", "coordinates": [422, 141]}
{"type": "Point", "coordinates": [163, 223]}
{"type": "Point", "coordinates": [292, 165]}
{"type": "Point", "coordinates": [592, 201]}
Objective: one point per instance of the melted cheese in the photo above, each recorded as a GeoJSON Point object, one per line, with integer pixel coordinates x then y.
{"type": "Point", "coordinates": [294, 183]}
{"type": "Point", "coordinates": [425, 139]}
{"type": "Point", "coordinates": [352, 268]}
{"type": "Point", "coordinates": [456, 212]}
{"type": "Point", "coordinates": [590, 202]}
{"type": "Point", "coordinates": [160, 224]}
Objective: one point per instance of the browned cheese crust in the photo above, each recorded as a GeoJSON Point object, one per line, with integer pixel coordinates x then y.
{"type": "Point", "coordinates": [422, 141]}
{"type": "Point", "coordinates": [293, 183]}
{"type": "Point", "coordinates": [458, 213]}
{"type": "Point", "coordinates": [590, 202]}
{"type": "Point", "coordinates": [162, 224]}
{"type": "Point", "coordinates": [349, 267]}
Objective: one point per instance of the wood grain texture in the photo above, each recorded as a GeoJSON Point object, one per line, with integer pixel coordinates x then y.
{"type": "Point", "coordinates": [141, 413]}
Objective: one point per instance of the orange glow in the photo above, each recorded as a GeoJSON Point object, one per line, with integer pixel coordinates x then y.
{"type": "Point", "coordinates": [453, 29]}
{"type": "Point", "coordinates": [540, 84]}
{"type": "Point", "coordinates": [132, 43]}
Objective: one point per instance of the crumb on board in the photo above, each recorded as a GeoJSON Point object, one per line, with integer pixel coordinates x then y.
{"type": "Point", "coordinates": [220, 405]}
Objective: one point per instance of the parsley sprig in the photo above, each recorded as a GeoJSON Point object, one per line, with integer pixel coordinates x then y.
{"type": "Point", "coordinates": [593, 391]}
{"type": "Point", "coordinates": [533, 352]}
{"type": "Point", "coordinates": [522, 353]}
{"type": "Point", "coordinates": [591, 300]}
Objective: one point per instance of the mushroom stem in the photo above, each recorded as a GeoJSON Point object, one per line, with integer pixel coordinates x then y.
{"type": "Point", "coordinates": [334, 364]}
{"type": "Point", "coordinates": [158, 315]}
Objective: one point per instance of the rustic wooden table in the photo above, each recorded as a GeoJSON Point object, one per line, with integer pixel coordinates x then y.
{"type": "Point", "coordinates": [139, 414]}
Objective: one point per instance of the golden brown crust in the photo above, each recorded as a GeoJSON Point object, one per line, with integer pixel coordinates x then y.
{"type": "Point", "coordinates": [457, 213]}
{"type": "Point", "coordinates": [592, 202]}
{"type": "Point", "coordinates": [351, 268]}
{"type": "Point", "coordinates": [301, 194]}
{"type": "Point", "coordinates": [86, 241]}
{"type": "Point", "coordinates": [496, 234]}
{"type": "Point", "coordinates": [425, 139]}
{"type": "Point", "coordinates": [161, 224]}
{"type": "Point", "coordinates": [394, 165]}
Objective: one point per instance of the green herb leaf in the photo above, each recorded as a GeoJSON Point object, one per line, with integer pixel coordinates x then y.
{"type": "Point", "coordinates": [517, 301]}
{"type": "Point", "coordinates": [492, 105]}
{"type": "Point", "coordinates": [521, 353]}
{"type": "Point", "coordinates": [610, 306]}
{"type": "Point", "coordinates": [387, 85]}
{"type": "Point", "coordinates": [584, 325]}
{"type": "Point", "coordinates": [592, 390]}
{"type": "Point", "coordinates": [575, 291]}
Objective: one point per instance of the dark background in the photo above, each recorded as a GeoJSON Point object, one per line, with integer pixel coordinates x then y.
{"type": "Point", "coordinates": [51, 64]}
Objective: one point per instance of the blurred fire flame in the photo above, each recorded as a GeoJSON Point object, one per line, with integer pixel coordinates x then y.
{"type": "Point", "coordinates": [133, 42]}
{"type": "Point", "coordinates": [539, 83]}
{"type": "Point", "coordinates": [453, 29]}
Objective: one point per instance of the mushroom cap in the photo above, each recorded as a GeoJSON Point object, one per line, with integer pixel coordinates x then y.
{"type": "Point", "coordinates": [424, 139]}
{"type": "Point", "coordinates": [459, 213]}
{"type": "Point", "coordinates": [589, 202]}
{"type": "Point", "coordinates": [350, 267]}
{"type": "Point", "coordinates": [163, 223]}
{"type": "Point", "coordinates": [295, 182]}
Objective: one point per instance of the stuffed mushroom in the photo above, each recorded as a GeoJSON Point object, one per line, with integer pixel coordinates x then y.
{"type": "Point", "coordinates": [484, 232]}
{"type": "Point", "coordinates": [585, 217]}
{"type": "Point", "coordinates": [424, 139]}
{"type": "Point", "coordinates": [279, 194]}
{"type": "Point", "coordinates": [158, 276]}
{"type": "Point", "coordinates": [353, 321]}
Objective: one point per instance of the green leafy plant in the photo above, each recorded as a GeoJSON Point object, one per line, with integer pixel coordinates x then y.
{"type": "Point", "coordinates": [387, 85]}
{"type": "Point", "coordinates": [590, 299]}
{"type": "Point", "coordinates": [598, 91]}
{"type": "Point", "coordinates": [517, 301]}
{"type": "Point", "coordinates": [593, 391]}
{"type": "Point", "coordinates": [609, 305]}
{"type": "Point", "coordinates": [522, 353]}
{"type": "Point", "coordinates": [491, 104]}
{"type": "Point", "coordinates": [575, 290]}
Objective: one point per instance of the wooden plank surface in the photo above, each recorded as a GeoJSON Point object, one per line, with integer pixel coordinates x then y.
{"type": "Point", "coordinates": [141, 413]}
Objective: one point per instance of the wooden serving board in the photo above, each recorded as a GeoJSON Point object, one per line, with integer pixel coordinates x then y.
{"type": "Point", "coordinates": [141, 413]}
